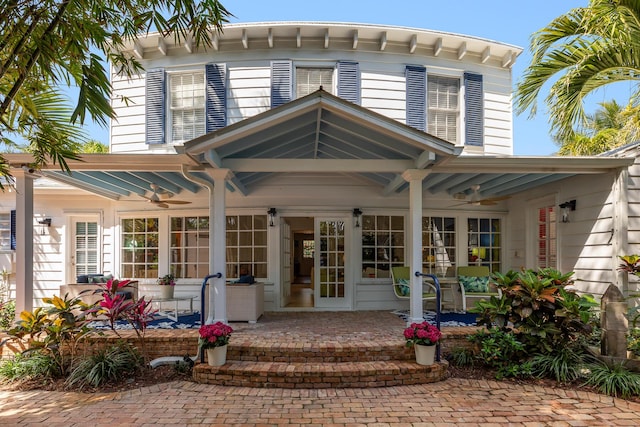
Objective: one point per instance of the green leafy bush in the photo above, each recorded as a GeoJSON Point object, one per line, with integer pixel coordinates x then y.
{"type": "Point", "coordinates": [7, 314]}
{"type": "Point", "coordinates": [105, 365]}
{"type": "Point", "coordinates": [34, 365]}
{"type": "Point", "coordinates": [564, 365]}
{"type": "Point", "coordinates": [613, 379]}
{"type": "Point", "coordinates": [497, 348]}
{"type": "Point", "coordinates": [539, 309]}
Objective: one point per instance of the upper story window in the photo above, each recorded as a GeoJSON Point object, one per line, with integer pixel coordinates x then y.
{"type": "Point", "coordinates": [309, 80]}
{"type": "Point", "coordinates": [187, 104]}
{"type": "Point", "coordinates": [443, 107]}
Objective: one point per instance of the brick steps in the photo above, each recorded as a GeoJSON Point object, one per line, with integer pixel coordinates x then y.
{"type": "Point", "coordinates": [319, 375]}
{"type": "Point", "coordinates": [319, 365]}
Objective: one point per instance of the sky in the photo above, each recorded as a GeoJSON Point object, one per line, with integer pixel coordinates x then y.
{"type": "Point", "coordinates": [507, 21]}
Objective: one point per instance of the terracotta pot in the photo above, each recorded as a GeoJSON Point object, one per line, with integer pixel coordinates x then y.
{"type": "Point", "coordinates": [425, 354]}
{"type": "Point", "coordinates": [217, 356]}
{"type": "Point", "coordinates": [166, 291]}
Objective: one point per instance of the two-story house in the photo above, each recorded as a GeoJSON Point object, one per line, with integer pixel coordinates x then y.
{"type": "Point", "coordinates": [318, 156]}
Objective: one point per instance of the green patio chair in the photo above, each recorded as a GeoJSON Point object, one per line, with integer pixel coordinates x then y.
{"type": "Point", "coordinates": [401, 277]}
{"type": "Point", "coordinates": [475, 284]}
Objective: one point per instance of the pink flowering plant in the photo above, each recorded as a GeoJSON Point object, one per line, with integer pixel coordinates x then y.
{"type": "Point", "coordinates": [422, 334]}
{"type": "Point", "coordinates": [214, 335]}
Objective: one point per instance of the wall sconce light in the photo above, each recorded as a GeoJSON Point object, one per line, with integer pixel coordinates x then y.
{"type": "Point", "coordinates": [566, 207]}
{"type": "Point", "coordinates": [272, 215]}
{"type": "Point", "coordinates": [357, 213]}
{"type": "Point", "coordinates": [44, 224]}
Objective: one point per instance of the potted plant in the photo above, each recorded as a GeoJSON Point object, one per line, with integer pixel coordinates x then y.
{"type": "Point", "coordinates": [423, 337]}
{"type": "Point", "coordinates": [167, 284]}
{"type": "Point", "coordinates": [214, 339]}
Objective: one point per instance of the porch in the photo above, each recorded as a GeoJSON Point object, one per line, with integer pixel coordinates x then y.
{"type": "Point", "coordinates": [309, 350]}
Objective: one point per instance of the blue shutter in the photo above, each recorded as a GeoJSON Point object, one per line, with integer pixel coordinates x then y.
{"type": "Point", "coordinates": [473, 109]}
{"type": "Point", "coordinates": [416, 78]}
{"type": "Point", "coordinates": [13, 230]}
{"type": "Point", "coordinates": [349, 81]}
{"type": "Point", "coordinates": [155, 106]}
{"type": "Point", "coordinates": [216, 103]}
{"type": "Point", "coordinates": [281, 83]}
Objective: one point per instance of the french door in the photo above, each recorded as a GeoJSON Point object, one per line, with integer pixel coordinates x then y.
{"type": "Point", "coordinates": [330, 261]}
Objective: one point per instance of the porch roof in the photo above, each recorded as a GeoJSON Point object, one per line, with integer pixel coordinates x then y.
{"type": "Point", "coordinates": [319, 133]}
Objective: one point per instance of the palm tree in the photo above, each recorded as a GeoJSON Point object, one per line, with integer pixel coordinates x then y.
{"type": "Point", "coordinates": [45, 44]}
{"type": "Point", "coordinates": [578, 53]}
{"type": "Point", "coordinates": [609, 127]}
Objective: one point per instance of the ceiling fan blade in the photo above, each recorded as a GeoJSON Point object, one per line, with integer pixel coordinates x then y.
{"type": "Point", "coordinates": [161, 204]}
{"type": "Point", "coordinates": [175, 202]}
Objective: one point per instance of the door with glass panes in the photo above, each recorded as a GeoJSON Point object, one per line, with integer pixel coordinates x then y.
{"type": "Point", "coordinates": [330, 273]}
{"type": "Point", "coordinates": [85, 251]}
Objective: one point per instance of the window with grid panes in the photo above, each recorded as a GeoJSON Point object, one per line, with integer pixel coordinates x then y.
{"type": "Point", "coordinates": [187, 105]}
{"type": "Point", "coordinates": [309, 80]}
{"type": "Point", "coordinates": [443, 107]}
{"type": "Point", "coordinates": [139, 248]}
{"type": "Point", "coordinates": [5, 231]}
{"type": "Point", "coordinates": [247, 245]}
{"type": "Point", "coordinates": [439, 245]}
{"type": "Point", "coordinates": [484, 242]}
{"type": "Point", "coordinates": [547, 238]}
{"type": "Point", "coordinates": [382, 245]}
{"type": "Point", "coordinates": [189, 239]}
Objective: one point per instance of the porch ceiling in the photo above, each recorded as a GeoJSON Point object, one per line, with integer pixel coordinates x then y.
{"type": "Point", "coordinates": [320, 134]}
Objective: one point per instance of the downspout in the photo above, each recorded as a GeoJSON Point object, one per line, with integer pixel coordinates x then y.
{"type": "Point", "coordinates": [198, 180]}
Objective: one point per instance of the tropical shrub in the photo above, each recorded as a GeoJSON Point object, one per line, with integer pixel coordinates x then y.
{"type": "Point", "coordinates": [538, 308]}
{"type": "Point", "coordinates": [28, 366]}
{"type": "Point", "coordinates": [7, 314]}
{"type": "Point", "coordinates": [564, 365]}
{"type": "Point", "coordinates": [613, 379]}
{"type": "Point", "coordinates": [105, 365]}
{"type": "Point", "coordinates": [53, 331]}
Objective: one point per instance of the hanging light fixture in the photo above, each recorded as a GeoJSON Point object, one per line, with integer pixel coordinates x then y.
{"type": "Point", "coordinates": [272, 215]}
{"type": "Point", "coordinates": [357, 213]}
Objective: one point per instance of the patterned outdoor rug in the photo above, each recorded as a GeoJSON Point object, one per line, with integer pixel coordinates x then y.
{"type": "Point", "coordinates": [185, 321]}
{"type": "Point", "coordinates": [447, 318]}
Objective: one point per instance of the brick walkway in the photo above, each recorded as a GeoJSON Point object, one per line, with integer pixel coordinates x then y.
{"type": "Point", "coordinates": [447, 403]}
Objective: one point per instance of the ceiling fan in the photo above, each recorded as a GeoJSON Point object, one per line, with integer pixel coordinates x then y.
{"type": "Point", "coordinates": [161, 198]}
{"type": "Point", "coordinates": [477, 201]}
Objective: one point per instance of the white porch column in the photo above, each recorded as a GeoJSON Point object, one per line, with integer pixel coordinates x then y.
{"type": "Point", "coordinates": [217, 247]}
{"type": "Point", "coordinates": [414, 177]}
{"type": "Point", "coordinates": [24, 241]}
{"type": "Point", "coordinates": [620, 230]}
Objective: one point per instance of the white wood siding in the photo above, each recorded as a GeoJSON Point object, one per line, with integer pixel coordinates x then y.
{"type": "Point", "coordinates": [382, 89]}
{"type": "Point", "coordinates": [584, 245]}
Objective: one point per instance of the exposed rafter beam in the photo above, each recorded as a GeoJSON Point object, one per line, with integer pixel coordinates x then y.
{"type": "Point", "coordinates": [162, 46]}
{"type": "Point", "coordinates": [437, 47]}
{"type": "Point", "coordinates": [396, 183]}
{"type": "Point", "coordinates": [298, 38]}
{"type": "Point", "coordinates": [507, 59]}
{"type": "Point", "coordinates": [245, 39]}
{"type": "Point", "coordinates": [270, 37]}
{"type": "Point", "coordinates": [462, 51]}
{"type": "Point", "coordinates": [413, 44]}
{"type": "Point", "coordinates": [215, 41]}
{"type": "Point", "coordinates": [486, 54]}
{"type": "Point", "coordinates": [188, 44]}
{"type": "Point", "coordinates": [214, 160]}
{"type": "Point", "coordinates": [355, 40]}
{"type": "Point", "coordinates": [138, 50]}
{"type": "Point", "coordinates": [425, 159]}
{"type": "Point", "coordinates": [383, 41]}
{"type": "Point", "coordinates": [326, 39]}
{"type": "Point", "coordinates": [316, 143]}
